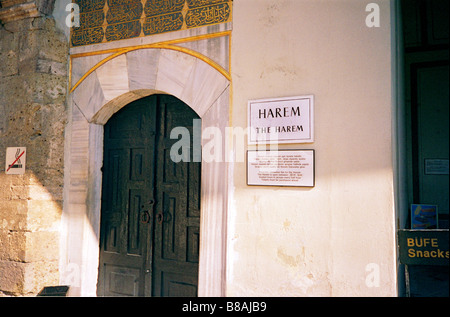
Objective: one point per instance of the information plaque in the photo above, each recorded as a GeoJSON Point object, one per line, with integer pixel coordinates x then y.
{"type": "Point", "coordinates": [281, 168]}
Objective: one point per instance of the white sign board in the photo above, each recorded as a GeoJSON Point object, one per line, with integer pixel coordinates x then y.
{"type": "Point", "coordinates": [436, 167]}
{"type": "Point", "coordinates": [15, 160]}
{"type": "Point", "coordinates": [281, 120]}
{"type": "Point", "coordinates": [281, 168]}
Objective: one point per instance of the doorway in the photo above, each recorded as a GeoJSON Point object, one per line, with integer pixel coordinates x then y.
{"type": "Point", "coordinates": [430, 135]}
{"type": "Point", "coordinates": [426, 82]}
{"type": "Point", "coordinates": [150, 209]}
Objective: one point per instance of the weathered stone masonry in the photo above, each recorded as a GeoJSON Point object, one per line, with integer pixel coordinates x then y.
{"type": "Point", "coordinates": [33, 87]}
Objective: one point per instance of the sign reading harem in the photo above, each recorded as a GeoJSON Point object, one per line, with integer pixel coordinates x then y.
{"type": "Point", "coordinates": [281, 120]}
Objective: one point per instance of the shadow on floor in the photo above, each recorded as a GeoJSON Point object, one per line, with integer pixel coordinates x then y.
{"type": "Point", "coordinates": [428, 281]}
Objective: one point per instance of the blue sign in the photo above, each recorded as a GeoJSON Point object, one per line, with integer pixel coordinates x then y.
{"type": "Point", "coordinates": [424, 216]}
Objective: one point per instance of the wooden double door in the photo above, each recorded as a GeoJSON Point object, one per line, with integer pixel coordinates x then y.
{"type": "Point", "coordinates": [150, 219]}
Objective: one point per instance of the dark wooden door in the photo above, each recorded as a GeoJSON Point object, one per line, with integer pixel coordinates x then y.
{"type": "Point", "coordinates": [149, 239]}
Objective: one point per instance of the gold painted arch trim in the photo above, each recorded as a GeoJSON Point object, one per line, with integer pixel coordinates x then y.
{"type": "Point", "coordinates": [122, 51]}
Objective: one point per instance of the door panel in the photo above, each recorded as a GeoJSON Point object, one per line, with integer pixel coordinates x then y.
{"type": "Point", "coordinates": [178, 285]}
{"type": "Point", "coordinates": [122, 281]}
{"type": "Point", "coordinates": [174, 215]}
{"type": "Point", "coordinates": [149, 240]}
{"type": "Point", "coordinates": [127, 186]}
{"type": "Point", "coordinates": [135, 235]}
{"type": "Point", "coordinates": [433, 134]}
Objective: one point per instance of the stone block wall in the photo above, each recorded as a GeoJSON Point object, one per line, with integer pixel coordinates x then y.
{"type": "Point", "coordinates": [33, 89]}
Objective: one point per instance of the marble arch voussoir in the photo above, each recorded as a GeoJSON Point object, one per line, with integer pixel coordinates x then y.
{"type": "Point", "coordinates": [143, 72]}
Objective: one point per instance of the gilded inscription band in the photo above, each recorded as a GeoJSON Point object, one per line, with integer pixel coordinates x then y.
{"type": "Point", "coordinates": [110, 20]}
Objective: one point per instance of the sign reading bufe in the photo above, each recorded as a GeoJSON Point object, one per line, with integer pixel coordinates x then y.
{"type": "Point", "coordinates": [423, 247]}
{"type": "Point", "coordinates": [281, 120]}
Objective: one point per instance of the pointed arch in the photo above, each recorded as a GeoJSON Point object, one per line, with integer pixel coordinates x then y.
{"type": "Point", "coordinates": [103, 89]}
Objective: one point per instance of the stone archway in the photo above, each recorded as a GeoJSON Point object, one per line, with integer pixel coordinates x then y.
{"type": "Point", "coordinates": [98, 96]}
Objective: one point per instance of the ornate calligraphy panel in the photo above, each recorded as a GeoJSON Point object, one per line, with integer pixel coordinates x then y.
{"type": "Point", "coordinates": [90, 5]}
{"type": "Point", "coordinates": [125, 11]}
{"type": "Point", "coordinates": [163, 23]}
{"type": "Point", "coordinates": [208, 15]}
{"type": "Point", "coordinates": [110, 20]}
{"type": "Point", "coordinates": [122, 31]}
{"type": "Point", "coordinates": [91, 20]}
{"type": "Point", "coordinates": [158, 7]}
{"type": "Point", "coordinates": [123, 19]}
{"type": "Point", "coordinates": [201, 3]}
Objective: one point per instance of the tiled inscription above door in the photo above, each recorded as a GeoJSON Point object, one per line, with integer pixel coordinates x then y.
{"type": "Point", "coordinates": [104, 21]}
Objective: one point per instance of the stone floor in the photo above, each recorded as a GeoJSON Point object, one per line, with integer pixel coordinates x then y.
{"type": "Point", "coordinates": [429, 281]}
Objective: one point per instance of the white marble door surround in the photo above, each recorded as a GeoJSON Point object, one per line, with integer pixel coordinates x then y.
{"type": "Point", "coordinates": [113, 85]}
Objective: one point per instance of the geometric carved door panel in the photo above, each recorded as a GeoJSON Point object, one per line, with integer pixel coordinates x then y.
{"type": "Point", "coordinates": [150, 221]}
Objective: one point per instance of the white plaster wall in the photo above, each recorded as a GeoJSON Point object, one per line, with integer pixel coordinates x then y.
{"type": "Point", "coordinates": [338, 238]}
